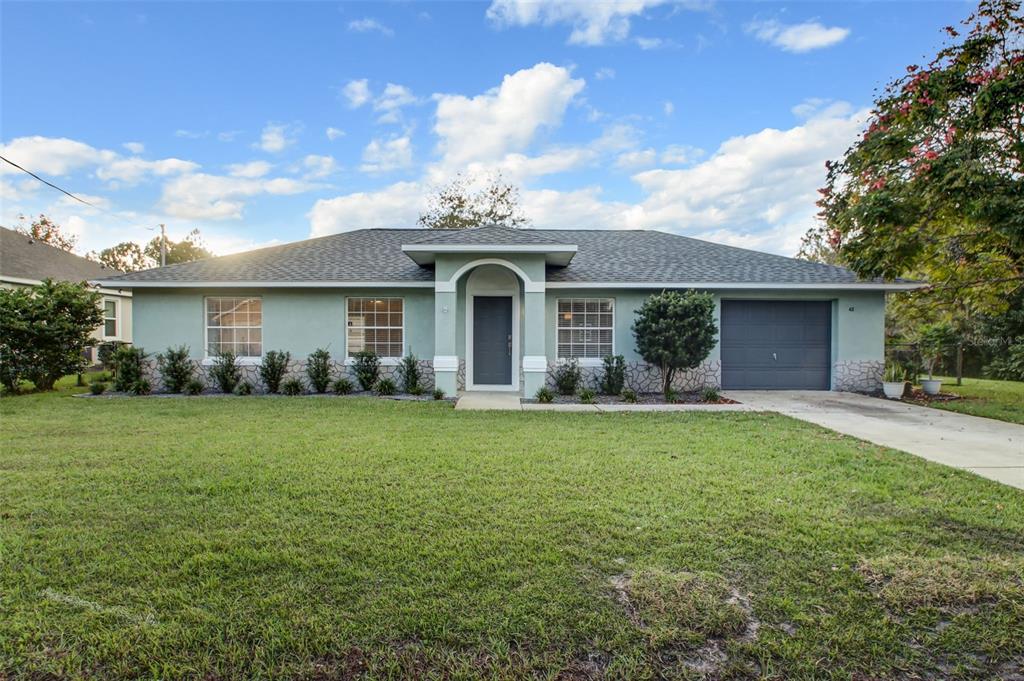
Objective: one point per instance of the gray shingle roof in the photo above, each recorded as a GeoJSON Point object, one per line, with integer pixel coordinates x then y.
{"type": "Point", "coordinates": [489, 235]}
{"type": "Point", "coordinates": [621, 256]}
{"type": "Point", "coordinates": [25, 258]}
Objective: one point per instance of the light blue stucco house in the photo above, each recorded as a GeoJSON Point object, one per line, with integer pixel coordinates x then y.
{"type": "Point", "coordinates": [495, 308]}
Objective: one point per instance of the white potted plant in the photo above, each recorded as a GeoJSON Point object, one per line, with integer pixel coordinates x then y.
{"type": "Point", "coordinates": [893, 382]}
{"type": "Point", "coordinates": [934, 338]}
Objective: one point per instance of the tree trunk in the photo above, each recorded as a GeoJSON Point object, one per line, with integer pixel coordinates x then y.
{"type": "Point", "coordinates": [959, 363]}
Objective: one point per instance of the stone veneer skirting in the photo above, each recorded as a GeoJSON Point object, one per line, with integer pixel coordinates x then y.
{"type": "Point", "coordinates": [863, 376]}
{"type": "Point", "coordinates": [296, 369]}
{"type": "Point", "coordinates": [645, 378]}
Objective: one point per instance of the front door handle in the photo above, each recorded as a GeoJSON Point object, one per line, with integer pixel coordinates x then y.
{"type": "Point", "coordinates": [510, 345]}
{"type": "Point", "coordinates": [775, 357]}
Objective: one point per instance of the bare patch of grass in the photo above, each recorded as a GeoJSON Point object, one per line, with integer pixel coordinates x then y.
{"type": "Point", "coordinates": [906, 582]}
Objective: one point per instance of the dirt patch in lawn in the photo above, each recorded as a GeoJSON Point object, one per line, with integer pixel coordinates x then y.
{"type": "Point", "coordinates": [692, 619]}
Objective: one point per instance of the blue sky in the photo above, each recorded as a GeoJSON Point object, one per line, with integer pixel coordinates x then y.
{"type": "Point", "coordinates": [269, 122]}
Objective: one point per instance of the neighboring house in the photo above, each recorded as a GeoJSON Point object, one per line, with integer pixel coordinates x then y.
{"type": "Point", "coordinates": [495, 308]}
{"type": "Point", "coordinates": [27, 262]}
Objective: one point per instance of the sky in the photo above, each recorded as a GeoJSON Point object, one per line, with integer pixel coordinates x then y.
{"type": "Point", "coordinates": [263, 122]}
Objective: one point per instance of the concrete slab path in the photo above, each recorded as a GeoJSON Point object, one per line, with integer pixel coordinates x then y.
{"type": "Point", "coordinates": [990, 448]}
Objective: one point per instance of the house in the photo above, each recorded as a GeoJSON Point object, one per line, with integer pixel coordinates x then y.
{"type": "Point", "coordinates": [27, 262]}
{"type": "Point", "coordinates": [495, 308]}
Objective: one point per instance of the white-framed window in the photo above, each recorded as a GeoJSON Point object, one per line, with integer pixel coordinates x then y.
{"type": "Point", "coordinates": [109, 318]}
{"type": "Point", "coordinates": [376, 324]}
{"type": "Point", "coordinates": [586, 327]}
{"type": "Point", "coordinates": [235, 325]}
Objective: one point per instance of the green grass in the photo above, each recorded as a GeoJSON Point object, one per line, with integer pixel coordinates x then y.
{"type": "Point", "coordinates": [324, 538]}
{"type": "Point", "coordinates": [1003, 400]}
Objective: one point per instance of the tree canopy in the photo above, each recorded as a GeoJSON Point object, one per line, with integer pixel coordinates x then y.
{"type": "Point", "coordinates": [128, 256]}
{"type": "Point", "coordinates": [675, 331]}
{"type": "Point", "coordinates": [934, 186]}
{"type": "Point", "coordinates": [46, 231]}
{"type": "Point", "coordinates": [459, 205]}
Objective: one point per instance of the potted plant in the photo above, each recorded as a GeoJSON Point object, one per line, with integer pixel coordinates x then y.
{"type": "Point", "coordinates": [893, 381]}
{"type": "Point", "coordinates": [933, 339]}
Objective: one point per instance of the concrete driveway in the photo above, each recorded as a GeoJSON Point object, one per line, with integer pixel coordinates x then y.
{"type": "Point", "coordinates": [989, 448]}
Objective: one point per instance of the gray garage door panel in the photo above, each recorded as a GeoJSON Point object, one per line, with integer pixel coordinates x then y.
{"type": "Point", "coordinates": [776, 345]}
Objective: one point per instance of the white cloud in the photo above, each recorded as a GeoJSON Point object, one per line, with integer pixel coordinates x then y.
{"type": "Point", "coordinates": [604, 73]}
{"type": "Point", "coordinates": [656, 43]}
{"type": "Point", "coordinates": [251, 169]}
{"type": "Point", "coordinates": [669, 108]}
{"type": "Point", "coordinates": [132, 170]}
{"type": "Point", "coordinates": [391, 101]}
{"type": "Point", "coordinates": [276, 137]}
{"type": "Point", "coordinates": [191, 134]}
{"type": "Point", "coordinates": [134, 147]}
{"type": "Point", "coordinates": [643, 158]}
{"type": "Point", "coordinates": [334, 133]}
{"type": "Point", "coordinates": [593, 23]}
{"type": "Point", "coordinates": [680, 154]}
{"type": "Point", "coordinates": [810, 35]}
{"type": "Point", "coordinates": [397, 205]}
{"type": "Point", "coordinates": [381, 156]}
{"type": "Point", "coordinates": [504, 119]}
{"type": "Point", "coordinates": [52, 155]}
{"type": "Point", "coordinates": [370, 25]}
{"type": "Point", "coordinates": [357, 92]}
{"type": "Point", "coordinates": [201, 196]}
{"type": "Point", "coordinates": [319, 166]}
{"type": "Point", "coordinates": [228, 135]}
{"type": "Point", "coordinates": [576, 209]}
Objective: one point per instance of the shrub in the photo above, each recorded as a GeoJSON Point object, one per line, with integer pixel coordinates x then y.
{"type": "Point", "coordinates": [318, 369]}
{"type": "Point", "coordinates": [343, 386]}
{"type": "Point", "coordinates": [587, 396]}
{"type": "Point", "coordinates": [675, 331]}
{"type": "Point", "coordinates": [366, 367]}
{"type": "Point", "coordinates": [567, 376]}
{"type": "Point", "coordinates": [629, 395]}
{"type": "Point", "coordinates": [409, 372]}
{"type": "Point", "coordinates": [46, 329]}
{"type": "Point", "coordinates": [292, 386]}
{"type": "Point", "coordinates": [128, 368]}
{"type": "Point", "coordinates": [671, 395]}
{"type": "Point", "coordinates": [141, 387]}
{"type": "Point", "coordinates": [244, 388]}
{"type": "Point", "coordinates": [225, 371]}
{"type": "Point", "coordinates": [545, 395]}
{"type": "Point", "coordinates": [710, 393]}
{"type": "Point", "coordinates": [1008, 367]}
{"type": "Point", "coordinates": [438, 394]}
{"type": "Point", "coordinates": [105, 353]}
{"type": "Point", "coordinates": [273, 368]}
{"type": "Point", "coordinates": [416, 390]}
{"type": "Point", "coordinates": [194, 387]}
{"type": "Point", "coordinates": [385, 386]}
{"type": "Point", "coordinates": [175, 367]}
{"type": "Point", "coordinates": [97, 387]}
{"type": "Point", "coordinates": [614, 379]}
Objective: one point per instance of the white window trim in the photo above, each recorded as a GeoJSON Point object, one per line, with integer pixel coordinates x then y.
{"type": "Point", "coordinates": [117, 317]}
{"type": "Point", "coordinates": [242, 360]}
{"type": "Point", "coordinates": [384, 361]}
{"type": "Point", "coordinates": [586, 361]}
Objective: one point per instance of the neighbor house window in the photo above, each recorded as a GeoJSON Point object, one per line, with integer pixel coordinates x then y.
{"type": "Point", "coordinates": [234, 325]}
{"type": "Point", "coordinates": [109, 318]}
{"type": "Point", "coordinates": [376, 324]}
{"type": "Point", "coordinates": [586, 327]}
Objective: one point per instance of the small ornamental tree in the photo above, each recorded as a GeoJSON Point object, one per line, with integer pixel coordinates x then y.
{"type": "Point", "coordinates": [675, 331]}
{"type": "Point", "coordinates": [44, 330]}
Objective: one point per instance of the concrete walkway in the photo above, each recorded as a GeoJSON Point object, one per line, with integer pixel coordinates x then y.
{"type": "Point", "coordinates": [509, 401]}
{"type": "Point", "coordinates": [989, 448]}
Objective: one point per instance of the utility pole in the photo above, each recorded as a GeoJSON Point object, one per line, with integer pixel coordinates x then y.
{"type": "Point", "coordinates": [163, 245]}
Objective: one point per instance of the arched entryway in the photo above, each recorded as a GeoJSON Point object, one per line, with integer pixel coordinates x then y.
{"type": "Point", "coordinates": [492, 328]}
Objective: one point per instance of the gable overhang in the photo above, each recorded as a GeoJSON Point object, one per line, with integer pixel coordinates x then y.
{"type": "Point", "coordinates": [756, 286]}
{"type": "Point", "coordinates": [554, 254]}
{"type": "Point", "coordinates": [266, 284]}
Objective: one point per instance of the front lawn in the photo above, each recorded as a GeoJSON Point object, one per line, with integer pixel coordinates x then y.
{"type": "Point", "coordinates": [321, 538]}
{"type": "Point", "coordinates": [1003, 400]}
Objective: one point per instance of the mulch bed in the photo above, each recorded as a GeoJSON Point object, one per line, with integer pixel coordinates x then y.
{"type": "Point", "coordinates": [400, 397]}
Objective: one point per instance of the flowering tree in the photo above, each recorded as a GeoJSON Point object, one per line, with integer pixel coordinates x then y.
{"type": "Point", "coordinates": [934, 186]}
{"type": "Point", "coordinates": [46, 231]}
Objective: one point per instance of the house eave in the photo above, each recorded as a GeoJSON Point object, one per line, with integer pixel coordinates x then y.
{"type": "Point", "coordinates": [267, 284]}
{"type": "Point", "coordinates": [750, 286]}
{"type": "Point", "coordinates": [554, 254]}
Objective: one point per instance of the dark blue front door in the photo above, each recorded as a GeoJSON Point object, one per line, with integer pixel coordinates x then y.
{"type": "Point", "coordinates": [492, 340]}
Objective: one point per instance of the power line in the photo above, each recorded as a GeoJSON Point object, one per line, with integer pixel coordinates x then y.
{"type": "Point", "coordinates": [49, 184]}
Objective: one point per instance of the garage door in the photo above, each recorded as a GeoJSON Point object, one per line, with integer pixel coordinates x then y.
{"type": "Point", "coordinates": [776, 345]}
